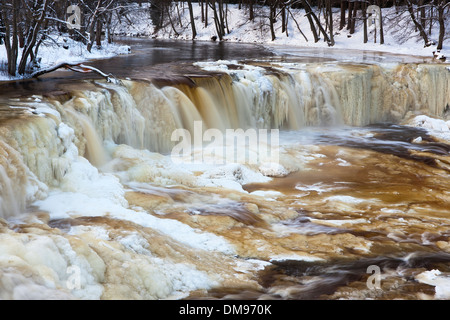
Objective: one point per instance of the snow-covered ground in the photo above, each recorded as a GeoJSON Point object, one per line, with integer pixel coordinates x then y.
{"type": "Point", "coordinates": [400, 35]}
{"type": "Point", "coordinates": [63, 49]}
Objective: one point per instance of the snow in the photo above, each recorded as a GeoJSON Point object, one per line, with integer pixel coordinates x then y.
{"type": "Point", "coordinates": [438, 128]}
{"type": "Point", "coordinates": [439, 280]}
{"type": "Point", "coordinates": [231, 176]}
{"type": "Point", "coordinates": [53, 53]}
{"type": "Point", "coordinates": [69, 204]}
{"type": "Point", "coordinates": [84, 191]}
{"type": "Point", "coordinates": [400, 36]}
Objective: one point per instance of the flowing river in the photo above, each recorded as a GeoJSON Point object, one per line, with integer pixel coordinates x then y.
{"type": "Point", "coordinates": [331, 181]}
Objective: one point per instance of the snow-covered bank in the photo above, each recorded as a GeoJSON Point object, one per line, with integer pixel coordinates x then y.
{"type": "Point", "coordinates": [400, 36]}
{"type": "Point", "coordinates": [438, 128]}
{"type": "Point", "coordinates": [63, 49]}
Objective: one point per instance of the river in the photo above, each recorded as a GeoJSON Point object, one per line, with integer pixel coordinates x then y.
{"type": "Point", "coordinates": [352, 200]}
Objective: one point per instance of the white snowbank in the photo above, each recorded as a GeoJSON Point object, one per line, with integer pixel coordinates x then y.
{"type": "Point", "coordinates": [400, 36]}
{"type": "Point", "coordinates": [435, 127]}
{"type": "Point", "coordinates": [54, 52]}
{"type": "Point", "coordinates": [440, 281]}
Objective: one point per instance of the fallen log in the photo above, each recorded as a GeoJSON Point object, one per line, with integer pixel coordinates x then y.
{"type": "Point", "coordinates": [77, 67]}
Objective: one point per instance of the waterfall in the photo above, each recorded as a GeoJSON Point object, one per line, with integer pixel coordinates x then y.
{"type": "Point", "coordinates": [143, 115]}
{"type": "Point", "coordinates": [12, 182]}
{"type": "Point", "coordinates": [88, 187]}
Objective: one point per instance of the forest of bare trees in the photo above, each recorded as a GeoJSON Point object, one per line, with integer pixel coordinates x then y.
{"type": "Point", "coordinates": [25, 24]}
{"type": "Point", "coordinates": [325, 17]}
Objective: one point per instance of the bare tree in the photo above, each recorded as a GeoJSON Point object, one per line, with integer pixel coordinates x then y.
{"type": "Point", "coordinates": [38, 16]}
{"type": "Point", "coordinates": [313, 16]}
{"type": "Point", "coordinates": [442, 5]}
{"type": "Point", "coordinates": [344, 5]}
{"type": "Point", "coordinates": [272, 17]}
{"type": "Point", "coordinates": [23, 20]}
{"type": "Point", "coordinates": [10, 13]}
{"type": "Point", "coordinates": [330, 23]}
{"type": "Point", "coordinates": [251, 11]}
{"type": "Point", "coordinates": [220, 17]}
{"type": "Point", "coordinates": [191, 15]}
{"type": "Point", "coordinates": [364, 16]}
{"type": "Point", "coordinates": [418, 25]}
{"type": "Point", "coordinates": [27, 23]}
{"type": "Point", "coordinates": [379, 3]}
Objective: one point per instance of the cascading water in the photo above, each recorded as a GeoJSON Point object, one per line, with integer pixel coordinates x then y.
{"type": "Point", "coordinates": [87, 182]}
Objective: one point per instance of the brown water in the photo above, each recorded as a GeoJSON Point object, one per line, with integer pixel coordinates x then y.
{"type": "Point", "coordinates": [93, 207]}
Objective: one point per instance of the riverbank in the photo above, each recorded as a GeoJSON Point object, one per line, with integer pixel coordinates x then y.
{"type": "Point", "coordinates": [62, 49]}
{"type": "Point", "coordinates": [400, 36]}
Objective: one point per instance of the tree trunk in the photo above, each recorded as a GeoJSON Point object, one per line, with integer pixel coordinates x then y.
{"type": "Point", "coordinates": [221, 17]}
{"type": "Point", "coordinates": [191, 14]}
{"type": "Point", "coordinates": [350, 14]}
{"type": "Point", "coordinates": [272, 21]}
{"type": "Point", "coordinates": [92, 26]}
{"type": "Point", "coordinates": [202, 10]}
{"type": "Point", "coordinates": [206, 13]}
{"type": "Point", "coordinates": [32, 38]}
{"type": "Point", "coordinates": [11, 32]}
{"type": "Point", "coordinates": [98, 33]}
{"type": "Point", "coordinates": [21, 37]}
{"type": "Point", "coordinates": [216, 20]}
{"type": "Point", "coordinates": [353, 19]}
{"type": "Point", "coordinates": [319, 25]}
{"type": "Point", "coordinates": [441, 20]}
{"type": "Point", "coordinates": [171, 22]}
{"type": "Point", "coordinates": [109, 34]}
{"type": "Point", "coordinates": [342, 22]}
{"type": "Point", "coordinates": [36, 49]}
{"type": "Point", "coordinates": [381, 24]}
{"type": "Point", "coordinates": [330, 14]}
{"type": "Point", "coordinates": [311, 25]}
{"type": "Point", "coordinates": [430, 28]}
{"type": "Point", "coordinates": [364, 13]}
{"type": "Point", "coordinates": [226, 18]}
{"type": "Point", "coordinates": [422, 13]}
